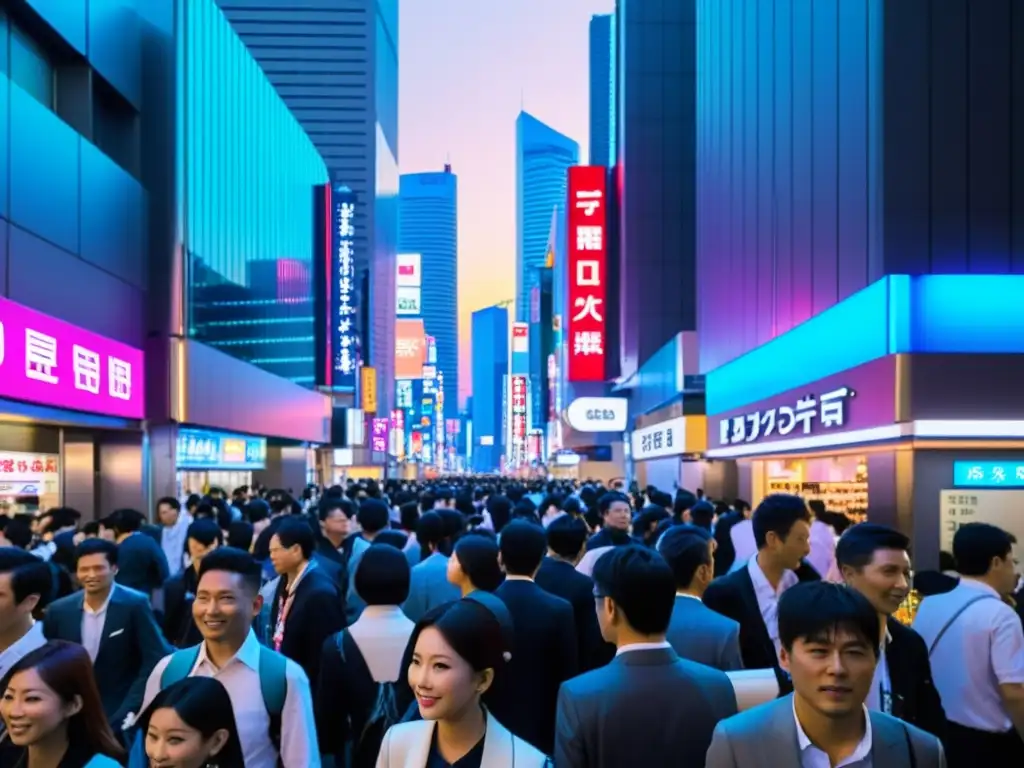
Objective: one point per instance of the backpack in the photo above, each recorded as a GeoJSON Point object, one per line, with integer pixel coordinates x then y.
{"type": "Point", "coordinates": [384, 711]}
{"type": "Point", "coordinates": [273, 669]}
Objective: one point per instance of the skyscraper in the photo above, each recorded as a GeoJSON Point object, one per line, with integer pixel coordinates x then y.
{"type": "Point", "coordinates": [335, 64]}
{"type": "Point", "coordinates": [543, 156]}
{"type": "Point", "coordinates": [490, 331]}
{"type": "Point", "coordinates": [602, 90]}
{"type": "Point", "coordinates": [429, 227]}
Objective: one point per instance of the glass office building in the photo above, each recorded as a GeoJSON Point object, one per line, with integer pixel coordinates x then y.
{"type": "Point", "coordinates": [490, 329]}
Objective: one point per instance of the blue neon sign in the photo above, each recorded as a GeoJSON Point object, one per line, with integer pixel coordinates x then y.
{"type": "Point", "coordinates": [344, 293]}
{"type": "Point", "coordinates": [988, 474]}
{"type": "Point", "coordinates": [204, 449]}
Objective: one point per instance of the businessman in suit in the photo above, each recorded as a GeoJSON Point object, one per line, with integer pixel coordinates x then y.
{"type": "Point", "coordinates": [545, 653]}
{"type": "Point", "coordinates": [142, 563]}
{"type": "Point", "coordinates": [830, 648]}
{"type": "Point", "coordinates": [428, 583]}
{"type": "Point", "coordinates": [750, 594]}
{"type": "Point", "coordinates": [567, 541]}
{"type": "Point", "coordinates": [648, 707]}
{"type": "Point", "coordinates": [116, 626]}
{"type": "Point", "coordinates": [873, 560]}
{"type": "Point", "coordinates": [696, 632]}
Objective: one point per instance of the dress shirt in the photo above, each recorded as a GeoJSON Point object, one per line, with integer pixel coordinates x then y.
{"type": "Point", "coordinates": [768, 597]}
{"type": "Point", "coordinates": [20, 648]}
{"type": "Point", "coordinates": [692, 597]}
{"type": "Point", "coordinates": [382, 633]}
{"type": "Point", "coordinates": [641, 647]}
{"type": "Point", "coordinates": [172, 541]}
{"type": "Point", "coordinates": [93, 623]}
{"type": "Point", "coordinates": [241, 677]}
{"type": "Point", "coordinates": [586, 565]}
{"type": "Point", "coordinates": [823, 547]}
{"type": "Point", "coordinates": [880, 694]}
{"type": "Point", "coordinates": [812, 757]}
{"type": "Point", "coordinates": [742, 536]}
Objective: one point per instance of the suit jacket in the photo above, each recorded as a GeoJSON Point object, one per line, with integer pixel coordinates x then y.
{"type": "Point", "coordinates": [544, 655]}
{"type": "Point", "coordinates": [765, 737]}
{"type": "Point", "coordinates": [914, 697]}
{"type": "Point", "coordinates": [562, 580]}
{"type": "Point", "coordinates": [315, 614]}
{"type": "Point", "coordinates": [700, 634]}
{"type": "Point", "coordinates": [130, 647]}
{"type": "Point", "coordinates": [141, 564]}
{"type": "Point", "coordinates": [407, 745]}
{"type": "Point", "coordinates": [429, 587]}
{"type": "Point", "coordinates": [647, 708]}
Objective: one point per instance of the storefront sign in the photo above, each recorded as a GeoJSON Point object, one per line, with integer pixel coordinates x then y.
{"type": "Point", "coordinates": [998, 508]}
{"type": "Point", "coordinates": [988, 474]}
{"type": "Point", "coordinates": [587, 214]}
{"type": "Point", "coordinates": [47, 361]}
{"type": "Point", "coordinates": [598, 414]}
{"type": "Point", "coordinates": [345, 339]}
{"type": "Point", "coordinates": [28, 474]}
{"type": "Point", "coordinates": [859, 399]}
{"type": "Point", "coordinates": [665, 439]}
{"type": "Point", "coordinates": [407, 300]}
{"type": "Point", "coordinates": [368, 388]}
{"type": "Point", "coordinates": [203, 449]}
{"type": "Point", "coordinates": [379, 435]}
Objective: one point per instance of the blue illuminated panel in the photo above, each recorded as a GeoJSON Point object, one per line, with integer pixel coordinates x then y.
{"type": "Point", "coordinates": [343, 294]}
{"type": "Point", "coordinates": [204, 449]}
{"type": "Point", "coordinates": [988, 474]}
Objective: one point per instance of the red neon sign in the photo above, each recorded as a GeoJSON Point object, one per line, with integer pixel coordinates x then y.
{"type": "Point", "coordinates": [588, 269]}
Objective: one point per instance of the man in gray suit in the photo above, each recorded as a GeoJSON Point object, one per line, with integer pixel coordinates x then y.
{"type": "Point", "coordinates": [428, 584]}
{"type": "Point", "coordinates": [829, 638]}
{"type": "Point", "coordinates": [696, 632]}
{"type": "Point", "coordinates": [648, 707]}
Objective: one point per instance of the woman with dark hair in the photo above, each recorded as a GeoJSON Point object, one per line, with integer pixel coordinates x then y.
{"type": "Point", "coordinates": [191, 724]}
{"type": "Point", "coordinates": [52, 710]}
{"type": "Point", "coordinates": [474, 563]}
{"type": "Point", "coordinates": [458, 648]}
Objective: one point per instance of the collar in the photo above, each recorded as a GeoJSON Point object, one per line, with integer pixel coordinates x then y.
{"type": "Point", "coordinates": [692, 597]}
{"type": "Point", "coordinates": [381, 612]}
{"type": "Point", "coordinates": [761, 583]}
{"type": "Point", "coordinates": [28, 642]}
{"type": "Point", "coordinates": [513, 577]}
{"type": "Point", "coordinates": [103, 608]}
{"type": "Point", "coordinates": [298, 579]}
{"type": "Point", "coordinates": [628, 648]}
{"type": "Point", "coordinates": [248, 654]}
{"type": "Point", "coordinates": [967, 581]}
{"type": "Point", "coordinates": [862, 750]}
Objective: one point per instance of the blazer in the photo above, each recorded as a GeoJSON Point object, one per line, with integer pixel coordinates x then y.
{"type": "Point", "coordinates": [429, 587]}
{"type": "Point", "coordinates": [141, 563]}
{"type": "Point", "coordinates": [700, 634]}
{"type": "Point", "coordinates": [647, 708]}
{"type": "Point", "coordinates": [407, 745]}
{"type": "Point", "coordinates": [765, 737]}
{"type": "Point", "coordinates": [130, 646]}
{"type": "Point", "coordinates": [544, 655]}
{"type": "Point", "coordinates": [562, 580]}
{"type": "Point", "coordinates": [315, 614]}
{"type": "Point", "coordinates": [914, 697]}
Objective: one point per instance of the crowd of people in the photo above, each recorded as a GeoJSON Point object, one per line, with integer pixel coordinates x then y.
{"type": "Point", "coordinates": [485, 622]}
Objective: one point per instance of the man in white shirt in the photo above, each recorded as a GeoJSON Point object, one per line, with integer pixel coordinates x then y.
{"type": "Point", "coordinates": [174, 523]}
{"type": "Point", "coordinates": [227, 600]}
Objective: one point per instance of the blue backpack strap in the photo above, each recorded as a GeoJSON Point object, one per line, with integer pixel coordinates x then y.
{"type": "Point", "coordinates": [273, 669]}
{"type": "Point", "coordinates": [179, 667]}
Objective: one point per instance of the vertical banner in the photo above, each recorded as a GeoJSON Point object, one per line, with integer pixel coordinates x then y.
{"type": "Point", "coordinates": [588, 254]}
{"type": "Point", "coordinates": [398, 433]}
{"type": "Point", "coordinates": [368, 389]}
{"type": "Point", "coordinates": [520, 348]}
{"type": "Point", "coordinates": [342, 294]}
{"type": "Point", "coordinates": [517, 409]}
{"type": "Point", "coordinates": [379, 435]}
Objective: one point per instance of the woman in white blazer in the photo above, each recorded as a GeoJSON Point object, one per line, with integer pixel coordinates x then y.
{"type": "Point", "coordinates": [458, 648]}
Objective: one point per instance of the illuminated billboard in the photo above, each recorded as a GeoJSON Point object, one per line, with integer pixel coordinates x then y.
{"type": "Point", "coordinates": [409, 270]}
{"type": "Point", "coordinates": [408, 300]}
{"type": "Point", "coordinates": [410, 348]}
{"type": "Point", "coordinates": [586, 313]}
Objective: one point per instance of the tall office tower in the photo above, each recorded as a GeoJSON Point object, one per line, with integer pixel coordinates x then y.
{"type": "Point", "coordinates": [429, 227]}
{"type": "Point", "coordinates": [602, 90]}
{"type": "Point", "coordinates": [335, 64]}
{"type": "Point", "coordinates": [490, 329]}
{"type": "Point", "coordinates": [543, 156]}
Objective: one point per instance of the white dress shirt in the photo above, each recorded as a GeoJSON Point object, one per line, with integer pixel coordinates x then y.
{"type": "Point", "coordinates": [768, 598]}
{"type": "Point", "coordinates": [812, 757]}
{"type": "Point", "coordinates": [641, 647]}
{"type": "Point", "coordinates": [382, 633]}
{"type": "Point", "coordinates": [880, 694]}
{"type": "Point", "coordinates": [241, 678]}
{"type": "Point", "coordinates": [20, 648]}
{"type": "Point", "coordinates": [172, 541]}
{"type": "Point", "coordinates": [93, 623]}
{"type": "Point", "coordinates": [743, 542]}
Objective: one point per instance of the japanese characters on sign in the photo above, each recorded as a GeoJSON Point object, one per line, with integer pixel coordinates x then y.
{"type": "Point", "coordinates": [988, 474]}
{"type": "Point", "coordinates": [804, 417]}
{"type": "Point", "coordinates": [587, 264]}
{"type": "Point", "coordinates": [517, 420]}
{"type": "Point", "coordinates": [398, 433]}
{"type": "Point", "coordinates": [403, 393]}
{"type": "Point", "coordinates": [667, 438]}
{"type": "Point", "coordinates": [410, 348]}
{"type": "Point", "coordinates": [204, 449]}
{"type": "Point", "coordinates": [998, 507]}
{"type": "Point", "coordinates": [379, 435]}
{"type": "Point", "coordinates": [346, 335]}
{"type": "Point", "coordinates": [44, 360]}
{"type": "Point", "coordinates": [368, 389]}
{"type": "Point", "coordinates": [26, 466]}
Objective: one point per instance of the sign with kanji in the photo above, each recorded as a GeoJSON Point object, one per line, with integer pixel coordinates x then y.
{"type": "Point", "coordinates": [588, 255]}
{"type": "Point", "coordinates": [517, 418]}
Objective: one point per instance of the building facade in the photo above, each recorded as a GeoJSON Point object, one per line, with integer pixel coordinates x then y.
{"type": "Point", "coordinates": [428, 212]}
{"type": "Point", "coordinates": [335, 64]}
{"type": "Point", "coordinates": [602, 90]}
{"type": "Point", "coordinates": [490, 329]}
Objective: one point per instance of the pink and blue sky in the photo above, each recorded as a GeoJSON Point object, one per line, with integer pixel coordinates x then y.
{"type": "Point", "coordinates": [465, 69]}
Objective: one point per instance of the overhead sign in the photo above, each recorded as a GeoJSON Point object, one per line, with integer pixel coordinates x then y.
{"type": "Point", "coordinates": [588, 255]}
{"type": "Point", "coordinates": [803, 417]}
{"type": "Point", "coordinates": [988, 474]}
{"type": "Point", "coordinates": [368, 388]}
{"type": "Point", "coordinates": [409, 270]}
{"type": "Point", "coordinates": [598, 414]}
{"type": "Point", "coordinates": [665, 439]}
{"type": "Point", "coordinates": [408, 300]}
{"type": "Point", "coordinates": [343, 292]}
{"type": "Point", "coordinates": [204, 449]}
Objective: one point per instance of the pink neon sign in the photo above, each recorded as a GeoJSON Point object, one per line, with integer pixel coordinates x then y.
{"type": "Point", "coordinates": [379, 435]}
{"type": "Point", "coordinates": [47, 361]}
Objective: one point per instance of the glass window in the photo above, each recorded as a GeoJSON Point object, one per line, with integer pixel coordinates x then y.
{"type": "Point", "coordinates": [31, 67]}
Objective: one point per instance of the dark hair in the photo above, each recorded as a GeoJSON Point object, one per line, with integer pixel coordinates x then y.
{"type": "Point", "coordinates": [478, 557]}
{"type": "Point", "coordinates": [292, 531]}
{"type": "Point", "coordinates": [453, 522]}
{"type": "Point", "coordinates": [409, 515]}
{"type": "Point", "coordinates": [170, 501]}
{"type": "Point", "coordinates": [396, 538]}
{"type": "Point", "coordinates": [204, 704]}
{"type": "Point", "coordinates": [96, 547]}
{"type": "Point", "coordinates": [240, 535]}
{"type": "Point", "coordinates": [856, 548]}
{"type": "Point", "coordinates": [976, 544]}
{"type": "Point", "coordinates": [472, 630]}
{"type": "Point", "coordinates": [62, 517]}
{"type": "Point", "coordinates": [382, 576]}
{"type": "Point", "coordinates": [236, 561]}
{"type": "Point", "coordinates": [19, 532]}
{"type": "Point", "coordinates": [66, 668]}
{"type": "Point", "coordinates": [685, 549]}
{"type": "Point", "coordinates": [814, 610]}
{"type": "Point", "coordinates": [640, 583]}
{"type": "Point", "coordinates": [566, 536]}
{"type": "Point", "coordinates": [946, 561]}
{"type": "Point", "coordinates": [29, 576]}
{"type": "Point", "coordinates": [91, 528]}
{"type": "Point", "coordinates": [523, 546]}
{"type": "Point", "coordinates": [605, 502]}
{"type": "Point", "coordinates": [430, 532]}
{"type": "Point", "coordinates": [777, 514]}
{"type": "Point", "coordinates": [124, 521]}
{"type": "Point", "coordinates": [206, 532]}
{"type": "Point", "coordinates": [373, 516]}
{"type": "Point", "coordinates": [648, 519]}
{"type": "Point", "coordinates": [500, 509]}
{"type": "Point", "coordinates": [256, 511]}
{"type": "Point", "coordinates": [427, 501]}
{"type": "Point", "coordinates": [702, 514]}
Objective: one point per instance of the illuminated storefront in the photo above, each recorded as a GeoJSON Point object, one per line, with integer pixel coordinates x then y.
{"type": "Point", "coordinates": [207, 459]}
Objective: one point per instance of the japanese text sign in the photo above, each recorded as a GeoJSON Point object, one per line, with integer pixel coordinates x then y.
{"type": "Point", "coordinates": [517, 410]}
{"type": "Point", "coordinates": [368, 388]}
{"type": "Point", "coordinates": [47, 361]}
{"type": "Point", "coordinates": [203, 449]}
{"type": "Point", "coordinates": [410, 349]}
{"type": "Point", "coordinates": [379, 435]}
{"type": "Point", "coordinates": [988, 474]}
{"type": "Point", "coordinates": [587, 264]}
{"type": "Point", "coordinates": [342, 277]}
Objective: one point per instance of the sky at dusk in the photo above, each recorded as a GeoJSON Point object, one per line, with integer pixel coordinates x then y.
{"type": "Point", "coordinates": [465, 69]}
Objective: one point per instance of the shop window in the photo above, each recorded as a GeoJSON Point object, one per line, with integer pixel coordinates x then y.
{"type": "Point", "coordinates": [32, 67]}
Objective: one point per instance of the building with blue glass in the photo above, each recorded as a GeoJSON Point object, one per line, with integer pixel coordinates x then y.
{"type": "Point", "coordinates": [602, 90]}
{"type": "Point", "coordinates": [490, 339]}
{"type": "Point", "coordinates": [428, 212]}
{"type": "Point", "coordinates": [336, 67]}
